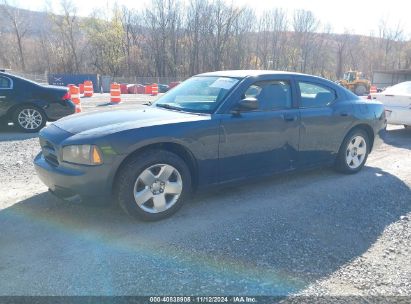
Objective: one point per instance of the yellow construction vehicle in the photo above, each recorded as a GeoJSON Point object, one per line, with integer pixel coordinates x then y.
{"type": "Point", "coordinates": [355, 82]}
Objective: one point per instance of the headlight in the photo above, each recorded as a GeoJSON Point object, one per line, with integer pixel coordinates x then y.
{"type": "Point", "coordinates": [82, 154]}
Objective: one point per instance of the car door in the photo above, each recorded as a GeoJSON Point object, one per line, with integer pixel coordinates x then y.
{"type": "Point", "coordinates": [324, 122]}
{"type": "Point", "coordinates": [262, 141]}
{"type": "Point", "coordinates": [6, 89]}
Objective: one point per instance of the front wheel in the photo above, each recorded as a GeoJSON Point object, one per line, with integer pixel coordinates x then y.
{"type": "Point", "coordinates": [153, 185]}
{"type": "Point", "coordinates": [353, 152]}
{"type": "Point", "coordinates": [29, 118]}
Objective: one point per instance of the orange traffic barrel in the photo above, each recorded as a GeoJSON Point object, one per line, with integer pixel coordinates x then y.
{"type": "Point", "coordinates": [75, 96]}
{"type": "Point", "coordinates": [81, 87]}
{"type": "Point", "coordinates": [147, 89]}
{"type": "Point", "coordinates": [154, 89]}
{"type": "Point", "coordinates": [115, 93]}
{"type": "Point", "coordinates": [88, 88]}
{"type": "Point", "coordinates": [373, 89]}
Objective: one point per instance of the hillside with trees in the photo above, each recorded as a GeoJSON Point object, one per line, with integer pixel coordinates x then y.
{"type": "Point", "coordinates": [173, 38]}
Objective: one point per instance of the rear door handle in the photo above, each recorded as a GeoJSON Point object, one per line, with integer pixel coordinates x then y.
{"type": "Point", "coordinates": [1, 97]}
{"type": "Point", "coordinates": [289, 117]}
{"type": "Point", "coordinates": [344, 114]}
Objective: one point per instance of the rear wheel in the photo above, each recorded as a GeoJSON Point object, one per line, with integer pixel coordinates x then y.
{"type": "Point", "coordinates": [153, 185]}
{"type": "Point", "coordinates": [353, 152]}
{"type": "Point", "coordinates": [29, 118]}
{"type": "Point", "coordinates": [360, 90]}
{"type": "Point", "coordinates": [407, 126]}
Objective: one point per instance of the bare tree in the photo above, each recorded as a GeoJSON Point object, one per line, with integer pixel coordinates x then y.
{"type": "Point", "coordinates": [19, 27]}
{"type": "Point", "coordinates": [304, 25]}
{"type": "Point", "coordinates": [271, 39]}
{"type": "Point", "coordinates": [239, 51]}
{"type": "Point", "coordinates": [342, 42]}
{"type": "Point", "coordinates": [390, 38]}
{"type": "Point", "coordinates": [68, 28]}
{"type": "Point", "coordinates": [221, 28]}
{"type": "Point", "coordinates": [196, 29]}
{"type": "Point", "coordinates": [164, 23]}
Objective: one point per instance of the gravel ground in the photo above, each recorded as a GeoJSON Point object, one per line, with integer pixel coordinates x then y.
{"type": "Point", "coordinates": [312, 233]}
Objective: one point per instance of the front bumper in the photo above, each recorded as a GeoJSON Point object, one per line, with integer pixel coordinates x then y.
{"type": "Point", "coordinates": [82, 182]}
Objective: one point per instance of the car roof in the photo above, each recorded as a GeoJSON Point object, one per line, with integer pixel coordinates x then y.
{"type": "Point", "coordinates": [249, 73]}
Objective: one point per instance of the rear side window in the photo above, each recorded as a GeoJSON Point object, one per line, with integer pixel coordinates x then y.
{"type": "Point", "coordinates": [5, 83]}
{"type": "Point", "coordinates": [315, 96]}
{"type": "Point", "coordinates": [271, 95]}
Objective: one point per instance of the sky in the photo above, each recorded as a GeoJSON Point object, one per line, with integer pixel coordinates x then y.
{"type": "Point", "coordinates": [358, 16]}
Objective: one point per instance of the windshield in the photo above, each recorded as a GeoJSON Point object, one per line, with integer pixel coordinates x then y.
{"type": "Point", "coordinates": [198, 94]}
{"type": "Point", "coordinates": [350, 76]}
{"type": "Point", "coordinates": [401, 88]}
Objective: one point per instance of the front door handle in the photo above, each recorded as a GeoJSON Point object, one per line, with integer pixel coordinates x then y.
{"type": "Point", "coordinates": [1, 97]}
{"type": "Point", "coordinates": [289, 117]}
{"type": "Point", "coordinates": [344, 114]}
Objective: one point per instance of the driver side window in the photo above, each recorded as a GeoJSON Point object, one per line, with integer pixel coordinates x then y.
{"type": "Point", "coordinates": [271, 95]}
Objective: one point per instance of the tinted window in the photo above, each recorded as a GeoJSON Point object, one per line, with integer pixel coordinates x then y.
{"type": "Point", "coordinates": [5, 83]}
{"type": "Point", "coordinates": [314, 96]}
{"type": "Point", "coordinates": [271, 95]}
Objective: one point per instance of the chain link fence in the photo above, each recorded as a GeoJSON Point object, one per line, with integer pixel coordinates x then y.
{"type": "Point", "coordinates": [104, 81]}
{"type": "Point", "coordinates": [147, 80]}
{"type": "Point", "coordinates": [37, 77]}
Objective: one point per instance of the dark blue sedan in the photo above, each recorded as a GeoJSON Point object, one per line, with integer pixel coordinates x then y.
{"type": "Point", "coordinates": [213, 129]}
{"type": "Point", "coordinates": [30, 105]}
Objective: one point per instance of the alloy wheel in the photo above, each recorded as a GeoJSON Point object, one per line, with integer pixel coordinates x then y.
{"type": "Point", "coordinates": [158, 188]}
{"type": "Point", "coordinates": [356, 152]}
{"type": "Point", "coordinates": [30, 119]}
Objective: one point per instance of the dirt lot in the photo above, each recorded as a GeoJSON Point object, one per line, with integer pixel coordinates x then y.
{"type": "Point", "coordinates": [311, 233]}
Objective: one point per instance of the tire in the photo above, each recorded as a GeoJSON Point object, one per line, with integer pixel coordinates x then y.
{"type": "Point", "coordinates": [407, 127]}
{"type": "Point", "coordinates": [360, 90]}
{"type": "Point", "coordinates": [353, 152]}
{"type": "Point", "coordinates": [143, 190]}
{"type": "Point", "coordinates": [29, 119]}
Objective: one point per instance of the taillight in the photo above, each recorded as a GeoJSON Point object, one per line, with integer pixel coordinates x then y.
{"type": "Point", "coordinates": [369, 96]}
{"type": "Point", "coordinates": [66, 96]}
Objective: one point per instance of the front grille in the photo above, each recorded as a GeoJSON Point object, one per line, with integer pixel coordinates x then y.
{"type": "Point", "coordinates": [49, 152]}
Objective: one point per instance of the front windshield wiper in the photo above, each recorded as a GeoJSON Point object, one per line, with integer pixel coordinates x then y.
{"type": "Point", "coordinates": [169, 107]}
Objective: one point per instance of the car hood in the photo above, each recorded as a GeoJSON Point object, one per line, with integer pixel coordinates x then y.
{"type": "Point", "coordinates": [114, 120]}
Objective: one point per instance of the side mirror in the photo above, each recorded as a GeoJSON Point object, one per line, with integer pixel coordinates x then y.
{"type": "Point", "coordinates": [245, 105]}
